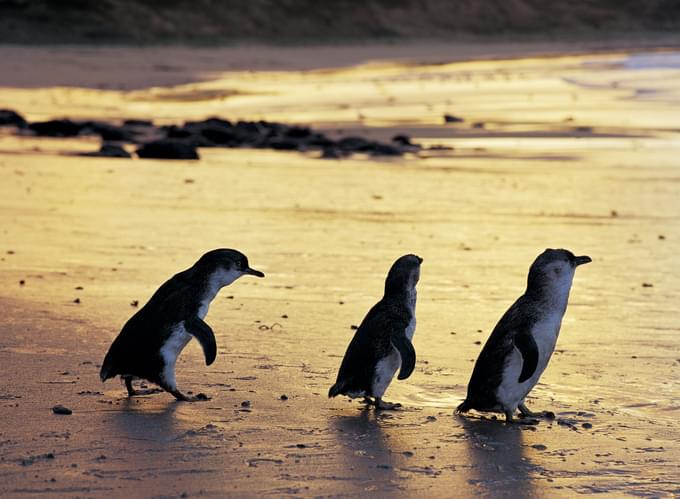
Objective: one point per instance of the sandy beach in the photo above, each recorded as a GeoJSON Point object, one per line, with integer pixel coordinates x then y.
{"type": "Point", "coordinates": [575, 150]}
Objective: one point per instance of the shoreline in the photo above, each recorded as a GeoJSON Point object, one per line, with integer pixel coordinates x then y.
{"type": "Point", "coordinates": [129, 68]}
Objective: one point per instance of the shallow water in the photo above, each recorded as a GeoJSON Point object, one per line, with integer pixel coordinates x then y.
{"type": "Point", "coordinates": [325, 233]}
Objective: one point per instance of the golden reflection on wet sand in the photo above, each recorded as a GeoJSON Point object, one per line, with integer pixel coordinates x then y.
{"type": "Point", "coordinates": [325, 233]}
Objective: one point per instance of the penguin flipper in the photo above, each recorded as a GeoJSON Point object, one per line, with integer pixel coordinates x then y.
{"type": "Point", "coordinates": [526, 345]}
{"type": "Point", "coordinates": [205, 336]}
{"type": "Point", "coordinates": [408, 355]}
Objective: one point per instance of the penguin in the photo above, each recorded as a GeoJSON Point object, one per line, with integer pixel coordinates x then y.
{"type": "Point", "coordinates": [151, 340]}
{"type": "Point", "coordinates": [382, 343]}
{"type": "Point", "coordinates": [521, 344]}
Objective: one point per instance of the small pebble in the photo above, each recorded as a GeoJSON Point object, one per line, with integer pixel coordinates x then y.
{"type": "Point", "coordinates": [284, 316]}
{"type": "Point", "coordinates": [60, 409]}
{"type": "Point", "coordinates": [647, 285]}
{"type": "Point", "coordinates": [548, 414]}
{"type": "Point", "coordinates": [300, 446]}
{"type": "Point", "coordinates": [134, 303]}
{"type": "Point", "coordinates": [539, 447]}
{"type": "Point", "coordinates": [245, 403]}
{"type": "Point", "coordinates": [587, 425]}
{"type": "Point", "coordinates": [77, 300]}
{"type": "Point", "coordinates": [22, 282]}
{"type": "Point", "coordinates": [354, 327]}
{"type": "Point", "coordinates": [284, 397]}
{"type": "Point", "coordinates": [449, 118]}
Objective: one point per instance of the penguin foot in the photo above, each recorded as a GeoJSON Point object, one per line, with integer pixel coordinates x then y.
{"type": "Point", "coordinates": [132, 392]}
{"type": "Point", "coordinates": [508, 417]}
{"type": "Point", "coordinates": [200, 397]}
{"type": "Point", "coordinates": [380, 404]}
{"type": "Point", "coordinates": [148, 391]}
{"type": "Point", "coordinates": [525, 412]}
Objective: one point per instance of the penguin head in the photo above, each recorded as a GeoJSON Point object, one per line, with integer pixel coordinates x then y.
{"type": "Point", "coordinates": [225, 266]}
{"type": "Point", "coordinates": [403, 274]}
{"type": "Point", "coordinates": [554, 270]}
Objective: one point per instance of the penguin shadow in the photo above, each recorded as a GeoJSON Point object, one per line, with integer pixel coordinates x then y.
{"type": "Point", "coordinates": [364, 443]}
{"type": "Point", "coordinates": [496, 457]}
{"type": "Point", "coordinates": [137, 422]}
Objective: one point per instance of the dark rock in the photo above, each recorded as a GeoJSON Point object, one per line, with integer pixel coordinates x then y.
{"type": "Point", "coordinates": [167, 149]}
{"type": "Point", "coordinates": [450, 118]}
{"type": "Point", "coordinates": [221, 136]}
{"type": "Point", "coordinates": [106, 131]}
{"type": "Point", "coordinates": [210, 122]}
{"type": "Point", "coordinates": [298, 132]}
{"type": "Point", "coordinates": [109, 151]}
{"type": "Point", "coordinates": [177, 132]}
{"type": "Point", "coordinates": [285, 145]}
{"type": "Point", "coordinates": [479, 124]}
{"type": "Point", "coordinates": [245, 403]}
{"type": "Point", "coordinates": [330, 153]}
{"type": "Point", "coordinates": [60, 409]}
{"type": "Point", "coordinates": [319, 140]}
{"type": "Point", "coordinates": [379, 149]}
{"type": "Point", "coordinates": [12, 118]}
{"type": "Point", "coordinates": [138, 123]}
{"type": "Point", "coordinates": [354, 144]}
{"type": "Point", "coordinates": [402, 139]}
{"type": "Point", "coordinates": [253, 128]}
{"type": "Point", "coordinates": [539, 447]}
{"type": "Point", "coordinates": [587, 425]}
{"type": "Point", "coordinates": [56, 128]}
{"type": "Point", "coordinates": [284, 397]}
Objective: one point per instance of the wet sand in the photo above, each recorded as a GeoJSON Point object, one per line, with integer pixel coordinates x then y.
{"type": "Point", "coordinates": [576, 152]}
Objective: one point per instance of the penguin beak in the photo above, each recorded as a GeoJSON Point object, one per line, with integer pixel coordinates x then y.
{"type": "Point", "coordinates": [580, 260]}
{"type": "Point", "coordinates": [254, 272]}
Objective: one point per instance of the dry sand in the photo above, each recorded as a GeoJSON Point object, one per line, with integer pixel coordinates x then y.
{"type": "Point", "coordinates": [577, 152]}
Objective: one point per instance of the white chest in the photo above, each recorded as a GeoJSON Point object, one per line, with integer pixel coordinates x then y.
{"type": "Point", "coordinates": [545, 333]}
{"type": "Point", "coordinates": [203, 309]}
{"type": "Point", "coordinates": [510, 393]}
{"type": "Point", "coordinates": [411, 328]}
{"type": "Point", "coordinates": [178, 339]}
